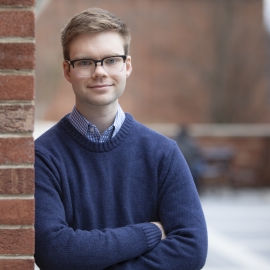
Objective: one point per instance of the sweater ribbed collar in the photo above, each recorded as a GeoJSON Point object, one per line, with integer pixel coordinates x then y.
{"type": "Point", "coordinates": [97, 147]}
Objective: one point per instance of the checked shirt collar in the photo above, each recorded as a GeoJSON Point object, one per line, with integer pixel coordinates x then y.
{"type": "Point", "coordinates": [90, 131]}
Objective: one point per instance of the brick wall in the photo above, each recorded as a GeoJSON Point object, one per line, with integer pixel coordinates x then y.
{"type": "Point", "coordinates": [236, 155]}
{"type": "Point", "coordinates": [17, 60]}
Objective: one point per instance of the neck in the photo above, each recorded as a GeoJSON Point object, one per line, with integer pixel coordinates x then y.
{"type": "Point", "coordinates": [100, 116]}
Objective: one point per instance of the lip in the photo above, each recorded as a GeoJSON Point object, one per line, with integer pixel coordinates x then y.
{"type": "Point", "coordinates": [100, 86]}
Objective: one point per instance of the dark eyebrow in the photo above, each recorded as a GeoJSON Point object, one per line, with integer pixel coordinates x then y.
{"type": "Point", "coordinates": [111, 55]}
{"type": "Point", "coordinates": [83, 58]}
{"type": "Point", "coordinates": [89, 58]}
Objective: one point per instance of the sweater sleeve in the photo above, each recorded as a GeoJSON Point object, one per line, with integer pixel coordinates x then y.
{"type": "Point", "coordinates": [180, 213]}
{"type": "Point", "coordinates": [58, 246]}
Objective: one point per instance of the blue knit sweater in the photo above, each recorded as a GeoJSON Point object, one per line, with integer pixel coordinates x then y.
{"type": "Point", "coordinates": [95, 202]}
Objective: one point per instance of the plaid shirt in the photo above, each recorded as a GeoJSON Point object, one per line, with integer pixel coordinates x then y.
{"type": "Point", "coordinates": [90, 131]}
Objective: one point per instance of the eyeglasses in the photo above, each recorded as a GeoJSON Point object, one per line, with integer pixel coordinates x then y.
{"type": "Point", "coordinates": [86, 67]}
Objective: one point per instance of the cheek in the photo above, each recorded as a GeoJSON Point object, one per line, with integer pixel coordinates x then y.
{"type": "Point", "coordinates": [121, 84]}
{"type": "Point", "coordinates": [121, 79]}
{"type": "Point", "coordinates": [78, 84]}
{"type": "Point", "coordinates": [78, 81]}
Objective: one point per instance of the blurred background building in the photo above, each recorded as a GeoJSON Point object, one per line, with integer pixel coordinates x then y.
{"type": "Point", "coordinates": [194, 61]}
{"type": "Point", "coordinates": [204, 64]}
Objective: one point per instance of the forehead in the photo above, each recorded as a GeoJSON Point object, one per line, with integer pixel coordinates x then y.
{"type": "Point", "coordinates": [96, 45]}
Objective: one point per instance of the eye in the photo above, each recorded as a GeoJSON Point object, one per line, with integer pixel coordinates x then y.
{"type": "Point", "coordinates": [83, 63]}
{"type": "Point", "coordinates": [112, 60]}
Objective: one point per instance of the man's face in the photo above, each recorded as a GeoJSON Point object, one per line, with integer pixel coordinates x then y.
{"type": "Point", "coordinates": [100, 88]}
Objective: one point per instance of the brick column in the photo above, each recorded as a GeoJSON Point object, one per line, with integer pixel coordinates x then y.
{"type": "Point", "coordinates": [17, 53]}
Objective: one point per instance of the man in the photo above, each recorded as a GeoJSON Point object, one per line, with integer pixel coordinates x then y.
{"type": "Point", "coordinates": [108, 189]}
{"type": "Point", "coordinates": [192, 154]}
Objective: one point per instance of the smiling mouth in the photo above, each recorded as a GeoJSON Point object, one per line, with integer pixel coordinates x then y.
{"type": "Point", "coordinates": [100, 86]}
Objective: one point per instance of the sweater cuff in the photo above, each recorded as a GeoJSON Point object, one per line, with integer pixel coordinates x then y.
{"type": "Point", "coordinates": [152, 234]}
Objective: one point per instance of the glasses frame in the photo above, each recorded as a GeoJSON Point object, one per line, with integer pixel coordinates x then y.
{"type": "Point", "coordinates": [72, 62]}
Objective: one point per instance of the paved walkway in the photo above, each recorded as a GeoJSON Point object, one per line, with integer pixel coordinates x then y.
{"type": "Point", "coordinates": [239, 229]}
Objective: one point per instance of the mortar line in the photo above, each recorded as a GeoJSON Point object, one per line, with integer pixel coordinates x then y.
{"type": "Point", "coordinates": [23, 72]}
{"type": "Point", "coordinates": [16, 102]}
{"type": "Point", "coordinates": [17, 166]}
{"type": "Point", "coordinates": [16, 197]}
{"type": "Point", "coordinates": [17, 135]}
{"type": "Point", "coordinates": [17, 40]}
{"type": "Point", "coordinates": [16, 257]}
{"type": "Point", "coordinates": [16, 8]}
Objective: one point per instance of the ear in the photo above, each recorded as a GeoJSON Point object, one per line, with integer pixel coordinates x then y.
{"type": "Point", "coordinates": [66, 69]}
{"type": "Point", "coordinates": [128, 66]}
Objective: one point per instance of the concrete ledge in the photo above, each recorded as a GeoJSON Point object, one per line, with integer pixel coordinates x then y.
{"type": "Point", "coordinates": [215, 130]}
{"type": "Point", "coordinates": [197, 130]}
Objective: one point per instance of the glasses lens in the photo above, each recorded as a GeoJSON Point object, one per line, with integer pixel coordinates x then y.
{"type": "Point", "coordinates": [84, 68]}
{"type": "Point", "coordinates": [113, 64]}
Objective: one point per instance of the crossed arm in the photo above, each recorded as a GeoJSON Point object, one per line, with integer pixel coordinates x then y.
{"type": "Point", "coordinates": [163, 236]}
{"type": "Point", "coordinates": [135, 246]}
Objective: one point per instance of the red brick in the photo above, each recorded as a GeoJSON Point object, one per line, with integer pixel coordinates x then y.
{"type": "Point", "coordinates": [17, 212]}
{"type": "Point", "coordinates": [17, 3]}
{"type": "Point", "coordinates": [17, 241]}
{"type": "Point", "coordinates": [17, 181]}
{"type": "Point", "coordinates": [17, 55]}
{"type": "Point", "coordinates": [17, 24]}
{"type": "Point", "coordinates": [17, 264]}
{"type": "Point", "coordinates": [16, 150]}
{"type": "Point", "coordinates": [16, 87]}
{"type": "Point", "coordinates": [16, 118]}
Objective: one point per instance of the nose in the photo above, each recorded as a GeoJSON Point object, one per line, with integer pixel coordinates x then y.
{"type": "Point", "coordinates": [99, 71]}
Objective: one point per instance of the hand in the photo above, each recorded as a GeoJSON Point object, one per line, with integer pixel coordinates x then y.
{"type": "Point", "coordinates": [163, 235]}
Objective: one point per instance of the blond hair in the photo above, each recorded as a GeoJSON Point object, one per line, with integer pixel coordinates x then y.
{"type": "Point", "coordinates": [93, 20]}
